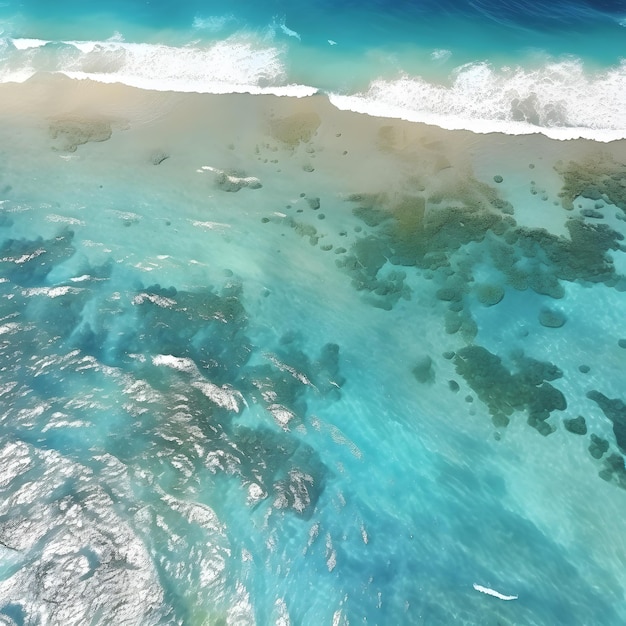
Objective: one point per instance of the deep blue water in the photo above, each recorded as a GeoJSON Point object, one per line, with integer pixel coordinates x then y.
{"type": "Point", "coordinates": [482, 27]}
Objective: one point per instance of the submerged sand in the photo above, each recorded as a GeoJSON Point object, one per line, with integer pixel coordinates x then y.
{"type": "Point", "coordinates": [474, 216]}
{"type": "Point", "coordinates": [277, 135]}
{"type": "Point", "coordinates": [467, 290]}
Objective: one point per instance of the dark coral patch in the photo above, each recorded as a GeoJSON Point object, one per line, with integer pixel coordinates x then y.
{"type": "Point", "coordinates": [598, 446]}
{"type": "Point", "coordinates": [505, 392]}
{"type": "Point", "coordinates": [576, 425]}
{"type": "Point", "coordinates": [423, 370]}
{"type": "Point", "coordinates": [551, 318]}
{"type": "Point", "coordinates": [599, 177]}
{"type": "Point", "coordinates": [615, 410]}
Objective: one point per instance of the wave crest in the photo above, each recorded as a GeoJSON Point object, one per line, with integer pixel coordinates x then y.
{"type": "Point", "coordinates": [558, 99]}
{"type": "Point", "coordinates": [236, 64]}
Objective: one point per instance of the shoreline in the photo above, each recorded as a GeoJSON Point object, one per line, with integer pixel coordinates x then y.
{"type": "Point", "coordinates": [359, 103]}
{"type": "Point", "coordinates": [49, 94]}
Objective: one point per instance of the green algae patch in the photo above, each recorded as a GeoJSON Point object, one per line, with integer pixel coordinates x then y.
{"type": "Point", "coordinates": [295, 129]}
{"type": "Point", "coordinates": [364, 264]}
{"type": "Point", "coordinates": [420, 237]}
{"type": "Point", "coordinates": [305, 230]}
{"type": "Point", "coordinates": [539, 260]}
{"type": "Point", "coordinates": [456, 227]}
{"type": "Point", "coordinates": [597, 178]}
{"type": "Point", "coordinates": [371, 209]}
{"type": "Point", "coordinates": [489, 295]}
{"type": "Point", "coordinates": [69, 132]}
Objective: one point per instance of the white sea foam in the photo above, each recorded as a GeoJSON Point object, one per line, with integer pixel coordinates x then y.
{"type": "Point", "coordinates": [493, 592]}
{"type": "Point", "coordinates": [561, 99]}
{"type": "Point", "coordinates": [238, 64]}
{"type": "Point", "coordinates": [558, 99]}
{"type": "Point", "coordinates": [25, 44]}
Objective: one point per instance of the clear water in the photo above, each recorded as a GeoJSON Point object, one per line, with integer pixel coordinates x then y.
{"type": "Point", "coordinates": [261, 399]}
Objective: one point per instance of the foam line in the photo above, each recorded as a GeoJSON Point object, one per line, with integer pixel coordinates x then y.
{"type": "Point", "coordinates": [493, 592]}
{"type": "Point", "coordinates": [562, 100]}
{"type": "Point", "coordinates": [559, 100]}
{"type": "Point", "coordinates": [234, 65]}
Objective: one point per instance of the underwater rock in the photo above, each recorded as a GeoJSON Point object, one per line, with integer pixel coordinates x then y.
{"type": "Point", "coordinates": [453, 322]}
{"type": "Point", "coordinates": [431, 239]}
{"type": "Point", "coordinates": [370, 253]}
{"type": "Point", "coordinates": [551, 318]}
{"type": "Point", "coordinates": [614, 469]}
{"type": "Point", "coordinates": [592, 214]}
{"type": "Point", "coordinates": [208, 327]}
{"type": "Point", "coordinates": [503, 205]}
{"type": "Point", "coordinates": [615, 410]}
{"type": "Point", "coordinates": [576, 425]}
{"type": "Point", "coordinates": [281, 465]}
{"type": "Point", "coordinates": [544, 399]}
{"type": "Point", "coordinates": [314, 203]}
{"type": "Point", "coordinates": [281, 385]}
{"type": "Point", "coordinates": [538, 259]}
{"type": "Point", "coordinates": [371, 215]}
{"type": "Point", "coordinates": [428, 240]}
{"type": "Point", "coordinates": [326, 373]}
{"type": "Point", "coordinates": [364, 264]}
{"type": "Point", "coordinates": [545, 284]}
{"type": "Point", "coordinates": [534, 372]}
{"type": "Point", "coordinates": [423, 370]}
{"type": "Point", "coordinates": [28, 262]}
{"type": "Point", "coordinates": [305, 230]}
{"type": "Point", "coordinates": [598, 446]}
{"type": "Point", "coordinates": [158, 156]}
{"type": "Point", "coordinates": [234, 180]}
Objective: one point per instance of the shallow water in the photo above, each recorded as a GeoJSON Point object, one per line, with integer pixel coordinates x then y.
{"type": "Point", "coordinates": [269, 362]}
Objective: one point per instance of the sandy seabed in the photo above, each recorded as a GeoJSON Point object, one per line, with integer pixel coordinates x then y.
{"type": "Point", "coordinates": [461, 293]}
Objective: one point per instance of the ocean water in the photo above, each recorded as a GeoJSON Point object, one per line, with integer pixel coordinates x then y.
{"type": "Point", "coordinates": [268, 360]}
{"type": "Point", "coordinates": [514, 67]}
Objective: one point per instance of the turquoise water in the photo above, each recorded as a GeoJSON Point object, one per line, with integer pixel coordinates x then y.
{"type": "Point", "coordinates": [336, 380]}
{"type": "Point", "coordinates": [220, 408]}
